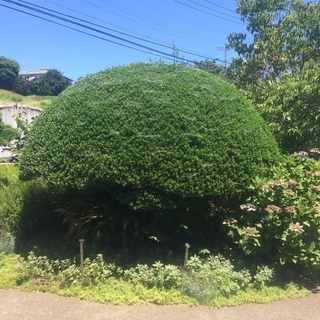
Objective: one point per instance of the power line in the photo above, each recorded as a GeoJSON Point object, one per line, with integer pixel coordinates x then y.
{"type": "Point", "coordinates": [113, 30]}
{"type": "Point", "coordinates": [148, 26]}
{"type": "Point", "coordinates": [122, 33]}
{"type": "Point", "coordinates": [219, 6]}
{"type": "Point", "coordinates": [170, 56]}
{"type": "Point", "coordinates": [211, 14]}
{"type": "Point", "coordinates": [179, 17]}
{"type": "Point", "coordinates": [206, 7]}
{"type": "Point", "coordinates": [68, 27]}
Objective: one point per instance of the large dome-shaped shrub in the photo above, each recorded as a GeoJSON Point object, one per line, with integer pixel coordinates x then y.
{"type": "Point", "coordinates": [157, 129]}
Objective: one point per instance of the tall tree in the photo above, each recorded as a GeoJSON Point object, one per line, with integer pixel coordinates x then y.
{"type": "Point", "coordinates": [53, 83]}
{"type": "Point", "coordinates": [9, 70]}
{"type": "Point", "coordinates": [210, 66]}
{"type": "Point", "coordinates": [285, 35]}
{"type": "Point", "coordinates": [284, 54]}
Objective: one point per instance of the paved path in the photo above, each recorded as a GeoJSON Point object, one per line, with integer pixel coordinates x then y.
{"type": "Point", "coordinates": [17, 305]}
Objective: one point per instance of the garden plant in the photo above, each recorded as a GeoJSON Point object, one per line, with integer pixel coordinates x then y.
{"type": "Point", "coordinates": [145, 144]}
{"type": "Point", "coordinates": [281, 220]}
{"type": "Point", "coordinates": [150, 155]}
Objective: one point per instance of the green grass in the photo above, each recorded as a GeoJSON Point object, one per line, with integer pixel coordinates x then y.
{"type": "Point", "coordinates": [10, 172]}
{"type": "Point", "coordinates": [9, 271]}
{"type": "Point", "coordinates": [35, 101]}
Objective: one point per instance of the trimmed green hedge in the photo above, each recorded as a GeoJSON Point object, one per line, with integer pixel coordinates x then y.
{"type": "Point", "coordinates": [158, 129]}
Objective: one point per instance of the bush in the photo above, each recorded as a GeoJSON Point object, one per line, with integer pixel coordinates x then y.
{"type": "Point", "coordinates": [25, 207]}
{"type": "Point", "coordinates": [7, 133]}
{"type": "Point", "coordinates": [158, 275]}
{"type": "Point", "coordinates": [152, 137]}
{"type": "Point", "coordinates": [206, 279]}
{"type": "Point", "coordinates": [281, 221]}
{"type": "Point", "coordinates": [7, 242]}
{"type": "Point", "coordinates": [52, 84]}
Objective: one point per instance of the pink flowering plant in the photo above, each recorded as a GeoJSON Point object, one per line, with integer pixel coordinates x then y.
{"type": "Point", "coordinates": [281, 219]}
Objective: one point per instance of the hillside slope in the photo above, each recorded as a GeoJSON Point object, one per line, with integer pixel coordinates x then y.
{"type": "Point", "coordinates": [9, 97]}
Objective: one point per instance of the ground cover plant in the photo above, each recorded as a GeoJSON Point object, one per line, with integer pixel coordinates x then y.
{"type": "Point", "coordinates": [9, 270]}
{"type": "Point", "coordinates": [210, 280]}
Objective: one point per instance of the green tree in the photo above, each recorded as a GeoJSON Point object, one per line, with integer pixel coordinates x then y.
{"type": "Point", "coordinates": [292, 108]}
{"type": "Point", "coordinates": [210, 66]}
{"type": "Point", "coordinates": [153, 137]}
{"type": "Point", "coordinates": [285, 35]}
{"type": "Point", "coordinates": [52, 83]}
{"type": "Point", "coordinates": [285, 45]}
{"type": "Point", "coordinates": [24, 87]}
{"type": "Point", "coordinates": [9, 70]}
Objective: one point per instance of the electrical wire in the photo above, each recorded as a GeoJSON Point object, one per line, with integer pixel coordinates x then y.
{"type": "Point", "coordinates": [211, 14]}
{"type": "Point", "coordinates": [68, 27]}
{"type": "Point", "coordinates": [195, 37]}
{"type": "Point", "coordinates": [132, 31]}
{"type": "Point", "coordinates": [140, 46]}
{"type": "Point", "coordinates": [179, 17]}
{"type": "Point", "coordinates": [122, 33]}
{"type": "Point", "coordinates": [214, 4]}
{"type": "Point", "coordinates": [206, 7]}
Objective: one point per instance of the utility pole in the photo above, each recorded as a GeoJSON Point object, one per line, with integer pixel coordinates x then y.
{"type": "Point", "coordinates": [225, 54]}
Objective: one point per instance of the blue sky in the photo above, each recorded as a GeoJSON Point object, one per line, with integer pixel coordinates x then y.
{"type": "Point", "coordinates": [196, 27]}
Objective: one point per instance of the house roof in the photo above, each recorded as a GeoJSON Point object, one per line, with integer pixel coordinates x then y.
{"type": "Point", "coordinates": [34, 72]}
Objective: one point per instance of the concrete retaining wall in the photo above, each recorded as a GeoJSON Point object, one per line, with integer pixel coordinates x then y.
{"type": "Point", "coordinates": [11, 111]}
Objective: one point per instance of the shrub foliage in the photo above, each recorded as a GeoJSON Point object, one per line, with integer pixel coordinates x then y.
{"type": "Point", "coordinates": [52, 84]}
{"type": "Point", "coordinates": [154, 126]}
{"type": "Point", "coordinates": [9, 70]}
{"type": "Point", "coordinates": [281, 220]}
{"type": "Point", "coordinates": [24, 205]}
{"type": "Point", "coordinates": [155, 133]}
{"type": "Point", "coordinates": [7, 133]}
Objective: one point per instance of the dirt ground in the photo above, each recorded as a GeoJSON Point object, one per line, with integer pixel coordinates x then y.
{"type": "Point", "coordinates": [17, 305]}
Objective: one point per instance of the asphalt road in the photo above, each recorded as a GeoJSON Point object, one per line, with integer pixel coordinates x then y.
{"type": "Point", "coordinates": [17, 305]}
